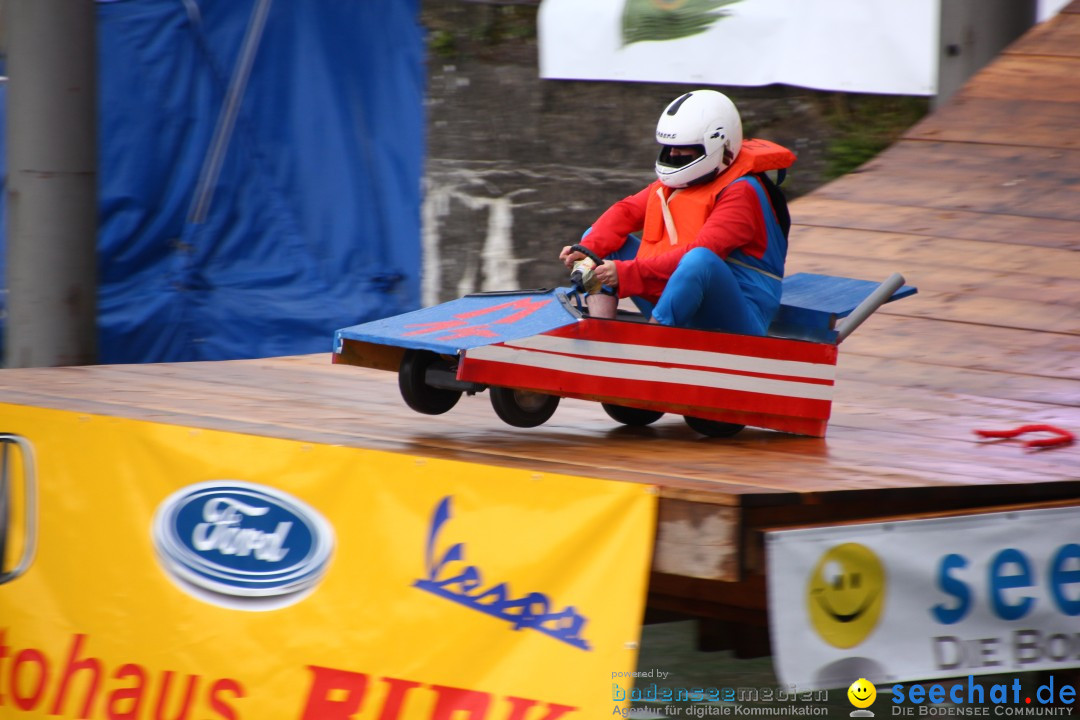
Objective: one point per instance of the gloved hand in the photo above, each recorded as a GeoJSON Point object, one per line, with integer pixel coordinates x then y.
{"type": "Point", "coordinates": [583, 276]}
{"type": "Point", "coordinates": [583, 263]}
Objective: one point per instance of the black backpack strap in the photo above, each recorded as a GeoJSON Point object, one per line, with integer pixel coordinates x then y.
{"type": "Point", "coordinates": [778, 200]}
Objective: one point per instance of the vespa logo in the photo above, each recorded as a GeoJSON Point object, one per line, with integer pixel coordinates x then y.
{"type": "Point", "coordinates": [241, 545]}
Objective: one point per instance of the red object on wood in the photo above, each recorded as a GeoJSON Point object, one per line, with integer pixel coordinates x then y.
{"type": "Point", "coordinates": [1062, 437]}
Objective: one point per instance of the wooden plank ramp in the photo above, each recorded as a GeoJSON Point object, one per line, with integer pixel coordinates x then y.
{"type": "Point", "coordinates": [978, 206]}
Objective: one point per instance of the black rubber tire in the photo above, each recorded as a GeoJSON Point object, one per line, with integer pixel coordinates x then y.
{"type": "Point", "coordinates": [712, 428]}
{"type": "Point", "coordinates": [636, 417]}
{"type": "Point", "coordinates": [522, 408]}
{"type": "Point", "coordinates": [417, 394]}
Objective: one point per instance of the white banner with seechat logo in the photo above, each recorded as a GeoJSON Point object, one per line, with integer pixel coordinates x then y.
{"type": "Point", "coordinates": [997, 593]}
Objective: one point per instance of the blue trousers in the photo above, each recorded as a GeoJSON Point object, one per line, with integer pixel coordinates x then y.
{"type": "Point", "coordinates": [703, 292]}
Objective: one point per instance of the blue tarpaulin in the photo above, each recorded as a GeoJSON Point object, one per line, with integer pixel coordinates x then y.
{"type": "Point", "coordinates": [3, 206]}
{"type": "Point", "coordinates": [259, 177]}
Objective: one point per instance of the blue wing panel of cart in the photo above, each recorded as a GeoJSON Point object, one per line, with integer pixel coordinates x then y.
{"type": "Point", "coordinates": [812, 304]}
{"type": "Point", "coordinates": [471, 321]}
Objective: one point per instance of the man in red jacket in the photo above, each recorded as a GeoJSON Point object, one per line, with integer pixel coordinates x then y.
{"type": "Point", "coordinates": [712, 248]}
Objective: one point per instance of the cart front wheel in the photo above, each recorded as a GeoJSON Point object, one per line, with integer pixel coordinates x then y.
{"type": "Point", "coordinates": [418, 395]}
{"type": "Point", "coordinates": [712, 428]}
{"type": "Point", "coordinates": [637, 417]}
{"type": "Point", "coordinates": [522, 408]}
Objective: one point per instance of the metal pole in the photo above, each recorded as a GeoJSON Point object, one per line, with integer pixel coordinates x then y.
{"type": "Point", "coordinates": [974, 32]}
{"type": "Point", "coordinates": [52, 183]}
{"type": "Point", "coordinates": [866, 308]}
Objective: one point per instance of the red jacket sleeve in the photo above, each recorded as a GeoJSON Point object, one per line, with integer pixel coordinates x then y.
{"type": "Point", "coordinates": [735, 222]}
{"type": "Point", "coordinates": [610, 229]}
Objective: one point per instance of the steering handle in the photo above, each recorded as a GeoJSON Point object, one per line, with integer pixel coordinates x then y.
{"type": "Point", "coordinates": [587, 253]}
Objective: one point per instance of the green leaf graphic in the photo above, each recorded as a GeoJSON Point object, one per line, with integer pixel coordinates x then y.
{"type": "Point", "coordinates": [669, 19]}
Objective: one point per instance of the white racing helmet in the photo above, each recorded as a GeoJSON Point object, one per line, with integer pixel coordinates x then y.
{"type": "Point", "coordinates": [706, 121]}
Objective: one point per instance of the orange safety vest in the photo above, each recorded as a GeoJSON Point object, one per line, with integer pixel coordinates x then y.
{"type": "Point", "coordinates": [689, 207]}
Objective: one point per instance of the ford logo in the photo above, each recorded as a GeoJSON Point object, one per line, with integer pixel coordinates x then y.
{"type": "Point", "coordinates": [227, 539]}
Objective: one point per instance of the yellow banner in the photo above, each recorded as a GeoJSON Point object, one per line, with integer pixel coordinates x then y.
{"type": "Point", "coordinates": [189, 574]}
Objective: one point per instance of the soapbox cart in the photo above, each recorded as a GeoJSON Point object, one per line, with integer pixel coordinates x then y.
{"type": "Point", "coordinates": [530, 348]}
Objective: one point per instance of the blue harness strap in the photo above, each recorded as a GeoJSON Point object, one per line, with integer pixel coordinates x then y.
{"type": "Point", "coordinates": [772, 262]}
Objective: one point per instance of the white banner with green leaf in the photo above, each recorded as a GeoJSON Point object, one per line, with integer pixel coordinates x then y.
{"type": "Point", "coordinates": [881, 46]}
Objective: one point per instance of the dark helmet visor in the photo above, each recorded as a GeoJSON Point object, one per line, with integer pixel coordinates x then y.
{"type": "Point", "coordinates": [677, 156]}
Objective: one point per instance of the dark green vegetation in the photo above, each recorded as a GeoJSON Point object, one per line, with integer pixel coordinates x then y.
{"type": "Point", "coordinates": [865, 125]}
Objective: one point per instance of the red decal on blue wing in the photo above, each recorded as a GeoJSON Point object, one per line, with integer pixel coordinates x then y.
{"type": "Point", "coordinates": [460, 326]}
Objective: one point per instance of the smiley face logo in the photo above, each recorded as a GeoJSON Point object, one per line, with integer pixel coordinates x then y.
{"type": "Point", "coordinates": [845, 594]}
{"type": "Point", "coordinates": [862, 693]}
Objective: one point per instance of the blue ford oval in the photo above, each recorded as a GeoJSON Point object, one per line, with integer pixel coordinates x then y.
{"type": "Point", "coordinates": [242, 539]}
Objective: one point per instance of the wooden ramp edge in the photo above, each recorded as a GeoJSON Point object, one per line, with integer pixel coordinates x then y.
{"type": "Point", "coordinates": [978, 205]}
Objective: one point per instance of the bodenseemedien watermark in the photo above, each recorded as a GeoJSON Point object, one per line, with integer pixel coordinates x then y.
{"type": "Point", "coordinates": [659, 701]}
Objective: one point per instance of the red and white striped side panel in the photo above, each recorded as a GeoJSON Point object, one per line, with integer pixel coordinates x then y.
{"type": "Point", "coordinates": [768, 382]}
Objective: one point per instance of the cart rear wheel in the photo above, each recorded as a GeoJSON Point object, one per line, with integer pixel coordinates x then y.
{"type": "Point", "coordinates": [522, 408]}
{"type": "Point", "coordinates": [637, 417]}
{"type": "Point", "coordinates": [418, 395]}
{"type": "Point", "coordinates": [712, 428]}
